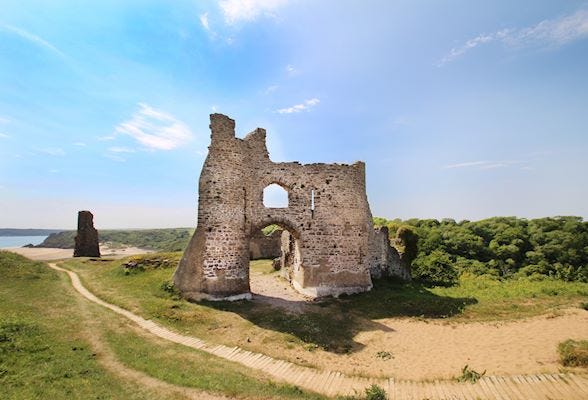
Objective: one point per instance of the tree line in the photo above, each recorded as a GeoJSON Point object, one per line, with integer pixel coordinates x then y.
{"type": "Point", "coordinates": [502, 247]}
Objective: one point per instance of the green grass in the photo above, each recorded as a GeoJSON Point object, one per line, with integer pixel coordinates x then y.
{"type": "Point", "coordinates": [330, 325]}
{"type": "Point", "coordinates": [45, 353]}
{"type": "Point", "coordinates": [42, 353]}
{"type": "Point", "coordinates": [574, 353]}
{"type": "Point", "coordinates": [192, 368]}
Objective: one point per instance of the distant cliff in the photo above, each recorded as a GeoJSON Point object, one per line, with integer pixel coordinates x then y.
{"type": "Point", "coordinates": [173, 239]}
{"type": "Point", "coordinates": [27, 232]}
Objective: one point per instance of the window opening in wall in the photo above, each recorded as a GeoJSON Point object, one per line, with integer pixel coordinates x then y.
{"type": "Point", "coordinates": [275, 196]}
{"type": "Point", "coordinates": [312, 199]}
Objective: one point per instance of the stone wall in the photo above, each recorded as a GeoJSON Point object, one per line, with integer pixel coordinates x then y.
{"type": "Point", "coordinates": [387, 262]}
{"type": "Point", "coordinates": [328, 220]}
{"type": "Point", "coordinates": [265, 246]}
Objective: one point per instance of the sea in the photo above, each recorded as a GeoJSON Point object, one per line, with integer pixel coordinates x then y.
{"type": "Point", "coordinates": [19, 241]}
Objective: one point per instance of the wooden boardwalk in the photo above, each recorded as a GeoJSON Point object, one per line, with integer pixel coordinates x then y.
{"type": "Point", "coordinates": [331, 383]}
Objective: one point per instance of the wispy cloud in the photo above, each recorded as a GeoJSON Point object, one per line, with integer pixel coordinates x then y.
{"type": "Point", "coordinates": [52, 151]}
{"type": "Point", "coordinates": [204, 21]}
{"type": "Point", "coordinates": [484, 164]}
{"type": "Point", "coordinates": [115, 157]}
{"type": "Point", "coordinates": [116, 149]}
{"type": "Point", "coordinates": [248, 10]}
{"type": "Point", "coordinates": [80, 144]}
{"type": "Point", "coordinates": [3, 136]}
{"type": "Point", "coordinates": [106, 138]}
{"type": "Point", "coordinates": [291, 70]}
{"type": "Point", "coordinates": [4, 120]}
{"type": "Point", "coordinates": [550, 33]}
{"type": "Point", "coordinates": [271, 89]}
{"type": "Point", "coordinates": [32, 38]}
{"type": "Point", "coordinates": [308, 104]}
{"type": "Point", "coordinates": [155, 129]}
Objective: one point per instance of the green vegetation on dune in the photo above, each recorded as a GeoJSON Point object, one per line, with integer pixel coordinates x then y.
{"type": "Point", "coordinates": [574, 353]}
{"type": "Point", "coordinates": [502, 247]}
{"type": "Point", "coordinates": [173, 239]}
{"type": "Point", "coordinates": [330, 325]}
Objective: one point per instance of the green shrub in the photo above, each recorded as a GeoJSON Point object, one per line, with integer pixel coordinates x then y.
{"type": "Point", "coordinates": [574, 353]}
{"type": "Point", "coordinates": [375, 392]}
{"type": "Point", "coordinates": [469, 375]}
{"type": "Point", "coordinates": [435, 269]}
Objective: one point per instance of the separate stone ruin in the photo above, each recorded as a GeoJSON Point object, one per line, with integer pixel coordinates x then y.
{"type": "Point", "coordinates": [87, 237]}
{"type": "Point", "coordinates": [328, 247]}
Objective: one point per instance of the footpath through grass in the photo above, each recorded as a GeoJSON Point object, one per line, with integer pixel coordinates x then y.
{"type": "Point", "coordinates": [330, 325]}
{"type": "Point", "coordinates": [42, 353]}
{"type": "Point", "coordinates": [45, 352]}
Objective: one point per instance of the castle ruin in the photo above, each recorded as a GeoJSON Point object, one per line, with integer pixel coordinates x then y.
{"type": "Point", "coordinates": [329, 245]}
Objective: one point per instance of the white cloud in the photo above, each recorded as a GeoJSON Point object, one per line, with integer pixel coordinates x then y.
{"type": "Point", "coordinates": [115, 157]}
{"type": "Point", "coordinates": [106, 138]}
{"type": "Point", "coordinates": [549, 33]}
{"type": "Point", "coordinates": [299, 107]}
{"type": "Point", "coordinates": [155, 129]}
{"type": "Point", "coordinates": [80, 144]}
{"type": "Point", "coordinates": [290, 69]}
{"type": "Point", "coordinates": [32, 38]}
{"type": "Point", "coordinates": [116, 149]}
{"type": "Point", "coordinates": [4, 120]}
{"type": "Point", "coordinates": [204, 21]}
{"type": "Point", "coordinates": [248, 10]}
{"type": "Point", "coordinates": [484, 164]}
{"type": "Point", "coordinates": [3, 136]}
{"type": "Point", "coordinates": [466, 164]}
{"type": "Point", "coordinates": [52, 151]}
{"type": "Point", "coordinates": [271, 89]}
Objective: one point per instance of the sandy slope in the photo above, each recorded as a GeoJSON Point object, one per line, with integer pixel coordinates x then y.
{"type": "Point", "coordinates": [435, 349]}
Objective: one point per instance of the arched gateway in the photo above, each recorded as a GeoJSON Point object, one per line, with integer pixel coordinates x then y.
{"type": "Point", "coordinates": [327, 221]}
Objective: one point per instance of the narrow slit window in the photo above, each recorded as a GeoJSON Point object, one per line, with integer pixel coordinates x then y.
{"type": "Point", "coordinates": [312, 199]}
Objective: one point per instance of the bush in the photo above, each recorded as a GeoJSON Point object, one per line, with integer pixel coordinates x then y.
{"type": "Point", "coordinates": [375, 392]}
{"type": "Point", "coordinates": [574, 353]}
{"type": "Point", "coordinates": [435, 269]}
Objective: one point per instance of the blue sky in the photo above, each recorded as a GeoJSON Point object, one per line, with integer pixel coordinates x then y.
{"type": "Point", "coordinates": [460, 109]}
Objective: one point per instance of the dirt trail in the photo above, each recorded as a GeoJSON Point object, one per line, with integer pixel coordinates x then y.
{"type": "Point", "coordinates": [535, 386]}
{"type": "Point", "coordinates": [436, 349]}
{"type": "Point", "coordinates": [154, 387]}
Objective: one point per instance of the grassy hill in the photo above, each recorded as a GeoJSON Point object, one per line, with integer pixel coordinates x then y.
{"type": "Point", "coordinates": [174, 239]}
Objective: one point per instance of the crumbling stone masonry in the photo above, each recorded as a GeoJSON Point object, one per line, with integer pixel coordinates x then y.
{"type": "Point", "coordinates": [265, 246]}
{"type": "Point", "coordinates": [328, 232]}
{"type": "Point", "coordinates": [87, 237]}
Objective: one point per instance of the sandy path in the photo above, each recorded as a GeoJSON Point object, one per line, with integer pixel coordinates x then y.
{"type": "Point", "coordinates": [329, 382]}
{"type": "Point", "coordinates": [436, 350]}
{"type": "Point", "coordinates": [49, 254]}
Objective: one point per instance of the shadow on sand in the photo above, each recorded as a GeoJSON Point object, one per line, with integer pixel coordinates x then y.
{"type": "Point", "coordinates": [332, 324]}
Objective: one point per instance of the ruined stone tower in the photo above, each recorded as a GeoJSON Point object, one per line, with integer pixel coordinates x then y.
{"type": "Point", "coordinates": [330, 240]}
{"type": "Point", "coordinates": [87, 236]}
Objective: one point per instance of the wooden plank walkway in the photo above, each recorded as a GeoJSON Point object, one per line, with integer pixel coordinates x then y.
{"type": "Point", "coordinates": [332, 383]}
